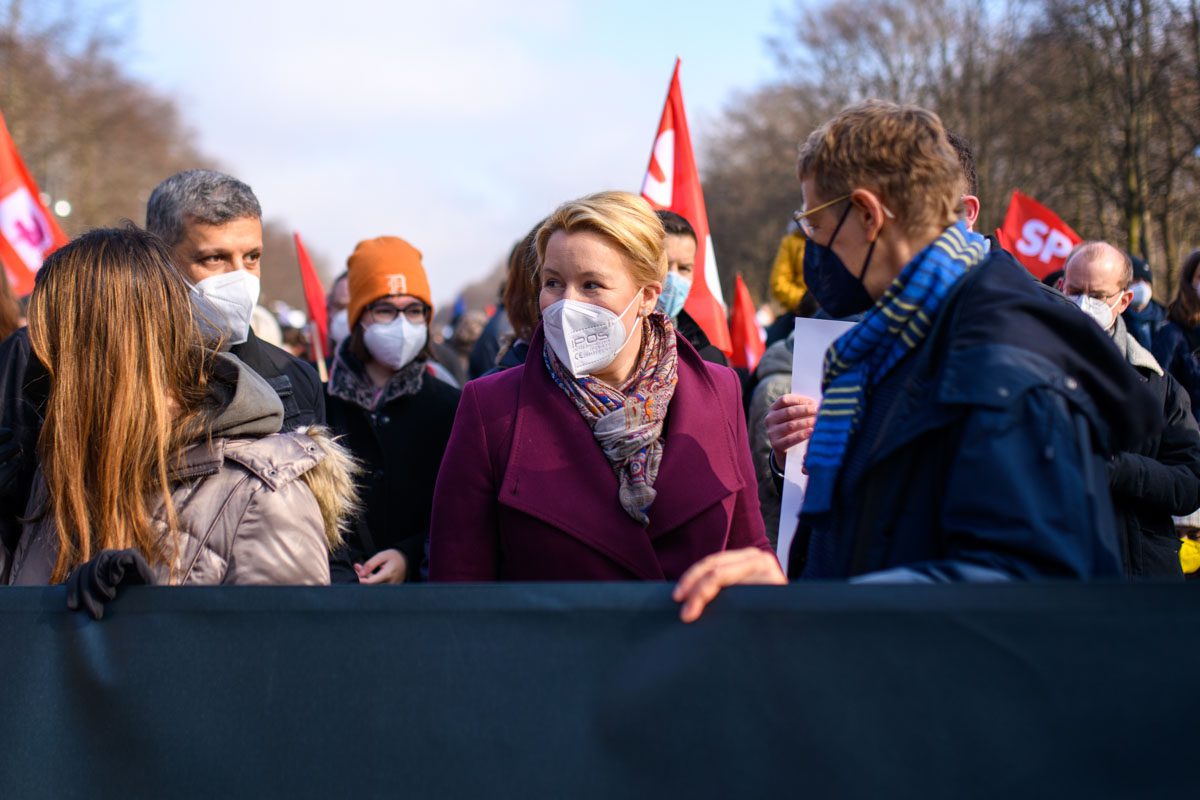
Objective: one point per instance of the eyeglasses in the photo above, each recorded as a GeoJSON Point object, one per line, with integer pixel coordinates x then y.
{"type": "Point", "coordinates": [385, 313]}
{"type": "Point", "coordinates": [801, 217]}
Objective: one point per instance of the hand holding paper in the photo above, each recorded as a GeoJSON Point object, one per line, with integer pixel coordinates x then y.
{"type": "Point", "coordinates": [789, 422]}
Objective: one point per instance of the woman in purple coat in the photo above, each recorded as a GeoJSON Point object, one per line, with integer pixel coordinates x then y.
{"type": "Point", "coordinates": [615, 452]}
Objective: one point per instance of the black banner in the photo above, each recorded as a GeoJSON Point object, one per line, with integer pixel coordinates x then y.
{"type": "Point", "coordinates": [579, 691]}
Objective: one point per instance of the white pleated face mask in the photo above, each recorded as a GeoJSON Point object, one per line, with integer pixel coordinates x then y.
{"type": "Point", "coordinates": [584, 336]}
{"type": "Point", "coordinates": [396, 343]}
{"type": "Point", "coordinates": [1096, 308]}
{"type": "Point", "coordinates": [1142, 295]}
{"type": "Point", "coordinates": [227, 301]}
{"type": "Point", "coordinates": [339, 327]}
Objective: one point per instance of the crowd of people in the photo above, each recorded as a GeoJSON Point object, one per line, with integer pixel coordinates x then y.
{"type": "Point", "coordinates": [975, 424]}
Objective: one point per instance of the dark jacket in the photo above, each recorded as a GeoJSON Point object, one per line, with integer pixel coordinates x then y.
{"type": "Point", "coordinates": [514, 356]}
{"type": "Point", "coordinates": [697, 338]}
{"type": "Point", "coordinates": [485, 353]}
{"type": "Point", "coordinates": [294, 380]}
{"type": "Point", "coordinates": [1156, 478]}
{"type": "Point", "coordinates": [1142, 324]}
{"type": "Point", "coordinates": [526, 493]}
{"type": "Point", "coordinates": [1175, 348]}
{"type": "Point", "coordinates": [24, 388]}
{"type": "Point", "coordinates": [988, 463]}
{"type": "Point", "coordinates": [400, 445]}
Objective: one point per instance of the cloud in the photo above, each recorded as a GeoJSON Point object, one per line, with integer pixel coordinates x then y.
{"type": "Point", "coordinates": [456, 124]}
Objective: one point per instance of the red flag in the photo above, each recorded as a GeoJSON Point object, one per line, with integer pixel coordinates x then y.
{"type": "Point", "coordinates": [673, 183]}
{"type": "Point", "coordinates": [28, 233]}
{"type": "Point", "coordinates": [748, 344]}
{"type": "Point", "coordinates": [1036, 236]}
{"type": "Point", "coordinates": [314, 293]}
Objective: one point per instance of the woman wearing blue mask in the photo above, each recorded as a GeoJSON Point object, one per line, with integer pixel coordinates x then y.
{"type": "Point", "coordinates": [966, 418]}
{"type": "Point", "coordinates": [614, 452]}
{"type": "Point", "coordinates": [394, 413]}
{"type": "Point", "coordinates": [681, 263]}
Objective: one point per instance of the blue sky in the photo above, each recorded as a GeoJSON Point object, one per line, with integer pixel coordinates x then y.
{"type": "Point", "coordinates": [455, 124]}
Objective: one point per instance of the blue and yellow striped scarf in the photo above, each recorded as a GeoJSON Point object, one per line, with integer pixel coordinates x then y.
{"type": "Point", "coordinates": [895, 326]}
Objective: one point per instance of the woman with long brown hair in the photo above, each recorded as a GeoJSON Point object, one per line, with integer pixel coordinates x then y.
{"type": "Point", "coordinates": [1177, 341]}
{"type": "Point", "coordinates": [155, 441]}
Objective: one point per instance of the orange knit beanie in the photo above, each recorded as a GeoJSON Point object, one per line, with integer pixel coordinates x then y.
{"type": "Point", "coordinates": [383, 267]}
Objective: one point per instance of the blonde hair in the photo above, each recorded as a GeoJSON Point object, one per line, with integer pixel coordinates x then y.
{"type": "Point", "coordinates": [112, 320]}
{"type": "Point", "coordinates": [899, 151]}
{"type": "Point", "coordinates": [625, 219]}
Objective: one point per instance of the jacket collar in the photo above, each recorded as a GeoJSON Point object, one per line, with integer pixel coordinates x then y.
{"type": "Point", "coordinates": [946, 380]}
{"type": "Point", "coordinates": [1138, 357]}
{"type": "Point", "coordinates": [557, 472]}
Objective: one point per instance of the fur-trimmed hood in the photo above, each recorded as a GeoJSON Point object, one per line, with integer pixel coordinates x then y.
{"type": "Point", "coordinates": [265, 510]}
{"type": "Point", "coordinates": [332, 482]}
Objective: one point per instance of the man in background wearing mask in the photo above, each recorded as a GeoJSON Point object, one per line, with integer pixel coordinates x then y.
{"type": "Point", "coordinates": [1160, 477]}
{"type": "Point", "coordinates": [681, 262]}
{"type": "Point", "coordinates": [213, 224]}
{"type": "Point", "coordinates": [339, 320]}
{"type": "Point", "coordinates": [1143, 314]}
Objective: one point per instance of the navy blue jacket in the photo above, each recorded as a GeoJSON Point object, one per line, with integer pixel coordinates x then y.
{"type": "Point", "coordinates": [1175, 348]}
{"type": "Point", "coordinates": [990, 461]}
{"type": "Point", "coordinates": [1142, 324]}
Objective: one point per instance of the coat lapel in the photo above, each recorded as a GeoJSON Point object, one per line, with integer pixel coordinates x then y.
{"type": "Point", "coordinates": [700, 462]}
{"type": "Point", "coordinates": [557, 473]}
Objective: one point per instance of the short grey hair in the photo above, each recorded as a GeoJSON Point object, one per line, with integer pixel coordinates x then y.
{"type": "Point", "coordinates": [203, 195]}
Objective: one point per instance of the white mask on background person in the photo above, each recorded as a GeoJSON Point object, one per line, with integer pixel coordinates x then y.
{"type": "Point", "coordinates": [1097, 309]}
{"type": "Point", "coordinates": [397, 343]}
{"type": "Point", "coordinates": [1142, 295]}
{"type": "Point", "coordinates": [227, 301]}
{"type": "Point", "coordinates": [585, 337]}
{"type": "Point", "coordinates": [674, 294]}
{"type": "Point", "coordinates": [339, 327]}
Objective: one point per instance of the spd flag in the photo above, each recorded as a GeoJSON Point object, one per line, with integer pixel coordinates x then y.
{"type": "Point", "coordinates": [28, 233]}
{"type": "Point", "coordinates": [1036, 236]}
{"type": "Point", "coordinates": [673, 183]}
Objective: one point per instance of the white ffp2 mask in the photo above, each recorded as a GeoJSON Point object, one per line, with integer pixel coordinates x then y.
{"type": "Point", "coordinates": [584, 336]}
{"type": "Point", "coordinates": [396, 343]}
{"type": "Point", "coordinates": [1142, 295]}
{"type": "Point", "coordinates": [227, 301]}
{"type": "Point", "coordinates": [339, 328]}
{"type": "Point", "coordinates": [1096, 308]}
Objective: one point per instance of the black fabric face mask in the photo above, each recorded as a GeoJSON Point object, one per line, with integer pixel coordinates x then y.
{"type": "Point", "coordinates": [831, 283]}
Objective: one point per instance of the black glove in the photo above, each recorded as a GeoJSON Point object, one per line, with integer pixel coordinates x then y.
{"type": "Point", "coordinates": [95, 582]}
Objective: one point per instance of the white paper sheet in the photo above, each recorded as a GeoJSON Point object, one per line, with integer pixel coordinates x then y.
{"type": "Point", "coordinates": [813, 337]}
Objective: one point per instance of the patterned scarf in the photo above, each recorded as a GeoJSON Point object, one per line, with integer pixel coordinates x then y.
{"type": "Point", "coordinates": [348, 380]}
{"type": "Point", "coordinates": [628, 422]}
{"type": "Point", "coordinates": [895, 326]}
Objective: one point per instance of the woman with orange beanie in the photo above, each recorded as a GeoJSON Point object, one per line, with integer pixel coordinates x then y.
{"type": "Point", "coordinates": [394, 413]}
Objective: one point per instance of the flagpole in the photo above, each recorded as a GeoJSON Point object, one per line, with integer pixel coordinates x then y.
{"type": "Point", "coordinates": [314, 333]}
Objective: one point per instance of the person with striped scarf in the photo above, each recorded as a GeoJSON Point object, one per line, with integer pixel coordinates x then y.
{"type": "Point", "coordinates": [966, 421]}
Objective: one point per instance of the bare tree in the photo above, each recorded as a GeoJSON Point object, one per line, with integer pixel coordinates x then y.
{"type": "Point", "coordinates": [1093, 106]}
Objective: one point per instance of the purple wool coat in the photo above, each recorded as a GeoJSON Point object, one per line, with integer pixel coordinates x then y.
{"type": "Point", "coordinates": [526, 494]}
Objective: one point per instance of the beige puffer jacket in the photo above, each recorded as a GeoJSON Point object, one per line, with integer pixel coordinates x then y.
{"type": "Point", "coordinates": [254, 506]}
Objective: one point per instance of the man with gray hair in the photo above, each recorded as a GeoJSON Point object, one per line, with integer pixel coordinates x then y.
{"type": "Point", "coordinates": [1161, 477]}
{"type": "Point", "coordinates": [213, 224]}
